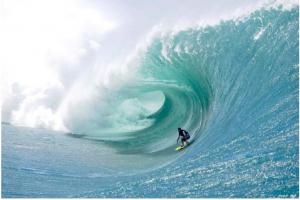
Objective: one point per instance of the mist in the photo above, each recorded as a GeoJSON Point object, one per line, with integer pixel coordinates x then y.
{"type": "Point", "coordinates": [61, 54]}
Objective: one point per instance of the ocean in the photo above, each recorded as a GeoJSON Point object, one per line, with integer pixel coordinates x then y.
{"type": "Point", "coordinates": [233, 86]}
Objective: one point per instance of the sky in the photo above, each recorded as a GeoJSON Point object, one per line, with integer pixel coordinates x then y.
{"type": "Point", "coordinates": [51, 48]}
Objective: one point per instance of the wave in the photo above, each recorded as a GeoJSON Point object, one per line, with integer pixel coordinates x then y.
{"type": "Point", "coordinates": [234, 86]}
{"type": "Point", "coordinates": [228, 76]}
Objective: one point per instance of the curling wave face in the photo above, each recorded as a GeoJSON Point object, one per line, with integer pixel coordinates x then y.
{"type": "Point", "coordinates": [214, 73]}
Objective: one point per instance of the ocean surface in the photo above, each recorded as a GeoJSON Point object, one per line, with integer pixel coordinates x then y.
{"type": "Point", "coordinates": [234, 86]}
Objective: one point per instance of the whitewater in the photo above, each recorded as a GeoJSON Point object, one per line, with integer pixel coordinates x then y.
{"type": "Point", "coordinates": [233, 85]}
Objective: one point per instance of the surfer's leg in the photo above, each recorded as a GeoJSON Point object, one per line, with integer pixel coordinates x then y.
{"type": "Point", "coordinates": [182, 142]}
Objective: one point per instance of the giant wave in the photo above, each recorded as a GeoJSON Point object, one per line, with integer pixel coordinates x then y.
{"type": "Point", "coordinates": [233, 86]}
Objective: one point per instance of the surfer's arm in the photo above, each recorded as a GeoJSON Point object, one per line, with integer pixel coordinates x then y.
{"type": "Point", "coordinates": [178, 138]}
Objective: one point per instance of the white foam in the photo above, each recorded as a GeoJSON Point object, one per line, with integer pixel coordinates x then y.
{"type": "Point", "coordinates": [259, 33]}
{"type": "Point", "coordinates": [92, 82]}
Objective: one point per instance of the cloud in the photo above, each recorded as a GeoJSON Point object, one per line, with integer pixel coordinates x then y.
{"type": "Point", "coordinates": [44, 49]}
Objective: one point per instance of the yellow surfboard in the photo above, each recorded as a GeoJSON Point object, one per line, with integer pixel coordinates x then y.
{"type": "Point", "coordinates": [179, 148]}
{"type": "Point", "coordinates": [182, 147]}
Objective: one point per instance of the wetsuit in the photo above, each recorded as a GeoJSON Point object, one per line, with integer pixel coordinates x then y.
{"type": "Point", "coordinates": [182, 135]}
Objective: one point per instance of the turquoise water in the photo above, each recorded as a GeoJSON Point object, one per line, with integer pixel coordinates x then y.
{"type": "Point", "coordinates": [233, 86]}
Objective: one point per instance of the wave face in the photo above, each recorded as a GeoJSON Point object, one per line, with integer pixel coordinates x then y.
{"type": "Point", "coordinates": [229, 74]}
{"type": "Point", "coordinates": [233, 86]}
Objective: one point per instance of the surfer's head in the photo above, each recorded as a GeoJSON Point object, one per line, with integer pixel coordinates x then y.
{"type": "Point", "coordinates": [179, 129]}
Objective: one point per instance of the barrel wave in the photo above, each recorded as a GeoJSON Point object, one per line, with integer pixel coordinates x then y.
{"type": "Point", "coordinates": [233, 86]}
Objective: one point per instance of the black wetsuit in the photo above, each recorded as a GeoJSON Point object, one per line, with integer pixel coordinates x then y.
{"type": "Point", "coordinates": [182, 135]}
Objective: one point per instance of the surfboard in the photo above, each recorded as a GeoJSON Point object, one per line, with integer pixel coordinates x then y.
{"type": "Point", "coordinates": [181, 148]}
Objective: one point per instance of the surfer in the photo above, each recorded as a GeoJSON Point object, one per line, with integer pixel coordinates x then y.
{"type": "Point", "coordinates": [184, 135]}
